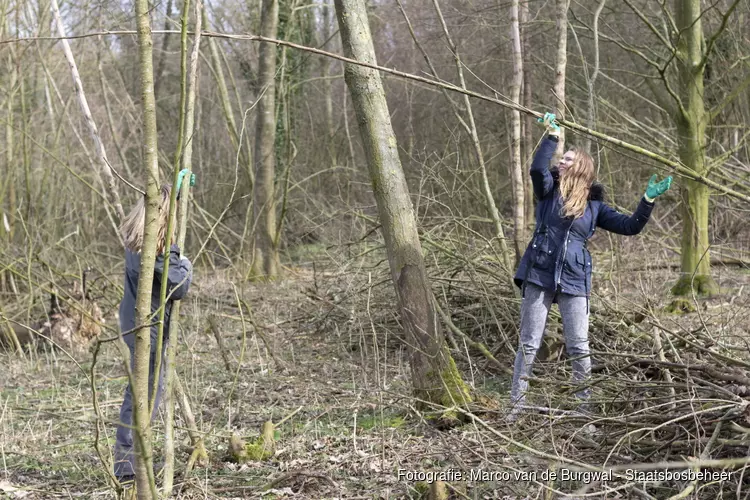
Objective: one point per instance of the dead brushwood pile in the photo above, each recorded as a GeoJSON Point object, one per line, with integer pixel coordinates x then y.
{"type": "Point", "coordinates": [73, 321]}
{"type": "Point", "coordinates": [667, 387]}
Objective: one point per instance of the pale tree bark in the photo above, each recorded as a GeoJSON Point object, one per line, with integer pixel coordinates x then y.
{"type": "Point", "coordinates": [325, 70]}
{"type": "Point", "coordinates": [591, 121]}
{"type": "Point", "coordinates": [528, 139]}
{"type": "Point", "coordinates": [561, 62]}
{"type": "Point", "coordinates": [221, 82]}
{"type": "Point", "coordinates": [144, 472]}
{"type": "Point", "coordinates": [266, 256]}
{"type": "Point", "coordinates": [105, 169]}
{"type": "Point", "coordinates": [516, 166]}
{"type": "Point", "coordinates": [7, 223]}
{"type": "Point", "coordinates": [217, 56]}
{"type": "Point", "coordinates": [691, 118]}
{"type": "Point", "coordinates": [435, 376]}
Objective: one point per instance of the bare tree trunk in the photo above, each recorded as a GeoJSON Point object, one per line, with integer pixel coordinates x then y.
{"type": "Point", "coordinates": [528, 139]}
{"type": "Point", "coordinates": [188, 113]}
{"type": "Point", "coordinates": [226, 105]}
{"type": "Point", "coordinates": [104, 167]}
{"type": "Point", "coordinates": [591, 122]}
{"type": "Point", "coordinates": [266, 256]}
{"type": "Point", "coordinates": [325, 70]}
{"type": "Point", "coordinates": [144, 472]}
{"type": "Point", "coordinates": [691, 119]}
{"type": "Point", "coordinates": [561, 61]}
{"type": "Point", "coordinates": [435, 376]}
{"type": "Point", "coordinates": [517, 176]}
{"type": "Point", "coordinates": [8, 216]}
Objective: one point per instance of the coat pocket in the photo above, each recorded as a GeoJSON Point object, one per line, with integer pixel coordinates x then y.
{"type": "Point", "coordinates": [543, 255]}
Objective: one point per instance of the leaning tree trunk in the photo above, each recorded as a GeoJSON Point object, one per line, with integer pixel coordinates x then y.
{"type": "Point", "coordinates": [144, 473]}
{"type": "Point", "coordinates": [561, 63]}
{"type": "Point", "coordinates": [691, 122]}
{"type": "Point", "coordinates": [266, 256]}
{"type": "Point", "coordinates": [516, 161]}
{"type": "Point", "coordinates": [434, 374]}
{"type": "Point", "coordinates": [105, 170]}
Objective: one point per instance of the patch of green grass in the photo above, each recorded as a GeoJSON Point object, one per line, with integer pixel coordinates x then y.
{"type": "Point", "coordinates": [387, 420]}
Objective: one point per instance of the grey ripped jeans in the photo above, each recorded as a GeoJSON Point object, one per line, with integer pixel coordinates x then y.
{"type": "Point", "coordinates": [124, 446]}
{"type": "Point", "coordinates": [535, 307]}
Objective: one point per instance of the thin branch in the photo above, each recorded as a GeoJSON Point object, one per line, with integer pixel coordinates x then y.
{"type": "Point", "coordinates": [715, 37]}
{"type": "Point", "coordinates": [677, 166]}
{"type": "Point", "coordinates": [650, 26]}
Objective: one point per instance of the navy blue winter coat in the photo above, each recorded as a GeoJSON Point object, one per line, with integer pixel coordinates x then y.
{"type": "Point", "coordinates": [179, 276]}
{"type": "Point", "coordinates": [557, 257]}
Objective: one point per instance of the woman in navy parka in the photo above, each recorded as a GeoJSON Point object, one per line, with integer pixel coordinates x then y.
{"type": "Point", "coordinates": [556, 266]}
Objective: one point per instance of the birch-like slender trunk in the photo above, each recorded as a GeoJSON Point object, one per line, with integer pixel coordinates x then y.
{"type": "Point", "coordinates": [105, 170]}
{"type": "Point", "coordinates": [561, 62]}
{"type": "Point", "coordinates": [266, 256]}
{"type": "Point", "coordinates": [591, 121]}
{"type": "Point", "coordinates": [221, 82]}
{"type": "Point", "coordinates": [325, 70]}
{"type": "Point", "coordinates": [527, 121]}
{"type": "Point", "coordinates": [517, 176]}
{"type": "Point", "coordinates": [144, 472]}
{"type": "Point", "coordinates": [8, 215]}
{"type": "Point", "coordinates": [435, 376]}
{"type": "Point", "coordinates": [187, 120]}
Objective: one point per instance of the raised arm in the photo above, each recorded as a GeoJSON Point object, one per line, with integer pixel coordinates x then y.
{"type": "Point", "coordinates": [616, 222]}
{"type": "Point", "coordinates": [541, 178]}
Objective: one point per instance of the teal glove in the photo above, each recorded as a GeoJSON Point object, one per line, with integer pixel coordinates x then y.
{"type": "Point", "coordinates": [181, 175]}
{"type": "Point", "coordinates": [553, 128]}
{"type": "Point", "coordinates": [655, 189]}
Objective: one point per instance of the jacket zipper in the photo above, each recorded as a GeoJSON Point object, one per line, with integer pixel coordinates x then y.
{"type": "Point", "coordinates": [565, 251]}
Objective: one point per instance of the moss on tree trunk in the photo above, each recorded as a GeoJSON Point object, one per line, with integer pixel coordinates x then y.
{"type": "Point", "coordinates": [266, 255]}
{"type": "Point", "coordinates": [691, 118]}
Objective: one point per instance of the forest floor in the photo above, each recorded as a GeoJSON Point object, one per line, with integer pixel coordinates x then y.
{"type": "Point", "coordinates": [335, 365]}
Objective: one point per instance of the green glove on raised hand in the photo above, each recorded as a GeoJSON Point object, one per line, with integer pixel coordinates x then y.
{"type": "Point", "coordinates": [655, 189]}
{"type": "Point", "coordinates": [181, 175]}
{"type": "Point", "coordinates": [553, 128]}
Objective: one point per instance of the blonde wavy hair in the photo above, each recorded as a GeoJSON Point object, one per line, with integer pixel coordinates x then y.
{"type": "Point", "coordinates": [131, 228]}
{"type": "Point", "coordinates": [575, 184]}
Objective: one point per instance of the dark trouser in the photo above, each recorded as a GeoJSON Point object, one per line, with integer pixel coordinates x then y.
{"type": "Point", "coordinates": [535, 307]}
{"type": "Point", "coordinates": [124, 451]}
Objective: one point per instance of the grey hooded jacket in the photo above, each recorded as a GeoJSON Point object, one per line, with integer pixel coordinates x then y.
{"type": "Point", "coordinates": [180, 275]}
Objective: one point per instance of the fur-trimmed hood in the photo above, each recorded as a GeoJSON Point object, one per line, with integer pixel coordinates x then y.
{"type": "Point", "coordinates": [597, 192]}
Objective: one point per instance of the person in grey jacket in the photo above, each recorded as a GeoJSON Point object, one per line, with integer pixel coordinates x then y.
{"type": "Point", "coordinates": [178, 277]}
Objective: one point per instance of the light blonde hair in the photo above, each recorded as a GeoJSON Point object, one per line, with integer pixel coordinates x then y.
{"type": "Point", "coordinates": [131, 228]}
{"type": "Point", "coordinates": [575, 184]}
